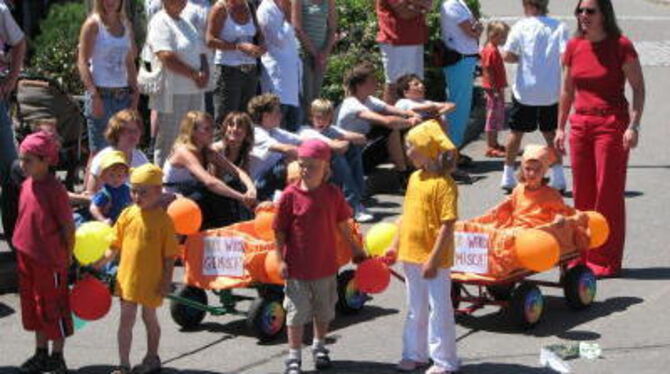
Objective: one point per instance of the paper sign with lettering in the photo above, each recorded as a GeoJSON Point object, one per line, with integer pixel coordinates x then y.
{"type": "Point", "coordinates": [471, 252]}
{"type": "Point", "coordinates": [223, 256]}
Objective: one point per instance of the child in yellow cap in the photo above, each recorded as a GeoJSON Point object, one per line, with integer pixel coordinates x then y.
{"type": "Point", "coordinates": [114, 196]}
{"type": "Point", "coordinates": [146, 243]}
{"type": "Point", "coordinates": [425, 246]}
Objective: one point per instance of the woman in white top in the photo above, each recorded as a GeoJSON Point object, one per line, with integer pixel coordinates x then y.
{"type": "Point", "coordinates": [106, 64]}
{"type": "Point", "coordinates": [186, 172]}
{"type": "Point", "coordinates": [179, 49]}
{"type": "Point", "coordinates": [281, 64]}
{"type": "Point", "coordinates": [232, 31]}
{"type": "Point", "coordinates": [460, 32]}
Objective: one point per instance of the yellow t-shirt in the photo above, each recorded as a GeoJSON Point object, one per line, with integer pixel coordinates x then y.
{"type": "Point", "coordinates": [145, 238]}
{"type": "Point", "coordinates": [431, 200]}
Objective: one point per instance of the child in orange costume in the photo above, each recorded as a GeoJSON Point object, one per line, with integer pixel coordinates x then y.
{"type": "Point", "coordinates": [532, 203]}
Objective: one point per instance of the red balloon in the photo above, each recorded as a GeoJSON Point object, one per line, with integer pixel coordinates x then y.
{"type": "Point", "coordinates": [90, 299]}
{"type": "Point", "coordinates": [372, 276]}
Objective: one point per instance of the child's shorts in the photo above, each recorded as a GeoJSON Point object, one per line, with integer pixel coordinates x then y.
{"type": "Point", "coordinates": [45, 301]}
{"type": "Point", "coordinates": [307, 299]}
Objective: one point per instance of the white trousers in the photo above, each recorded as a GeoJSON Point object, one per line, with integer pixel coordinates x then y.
{"type": "Point", "coordinates": [429, 328]}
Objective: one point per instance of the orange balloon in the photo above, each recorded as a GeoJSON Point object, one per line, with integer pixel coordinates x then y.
{"type": "Point", "coordinates": [186, 216]}
{"type": "Point", "coordinates": [599, 229]}
{"type": "Point", "coordinates": [263, 225]}
{"type": "Point", "coordinates": [537, 250]}
{"type": "Point", "coordinates": [272, 261]}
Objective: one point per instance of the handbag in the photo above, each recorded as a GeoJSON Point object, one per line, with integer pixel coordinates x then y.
{"type": "Point", "coordinates": [149, 81]}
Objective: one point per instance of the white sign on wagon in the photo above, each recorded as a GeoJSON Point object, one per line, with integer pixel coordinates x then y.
{"type": "Point", "coordinates": [471, 252]}
{"type": "Point", "coordinates": [223, 256]}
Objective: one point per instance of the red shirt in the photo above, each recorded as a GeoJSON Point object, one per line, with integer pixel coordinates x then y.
{"type": "Point", "coordinates": [493, 67]}
{"type": "Point", "coordinates": [309, 220]}
{"type": "Point", "coordinates": [397, 31]}
{"type": "Point", "coordinates": [43, 209]}
{"type": "Point", "coordinates": [597, 71]}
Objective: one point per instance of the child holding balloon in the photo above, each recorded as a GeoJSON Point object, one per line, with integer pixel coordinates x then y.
{"type": "Point", "coordinates": [146, 242]}
{"type": "Point", "coordinates": [310, 212]}
{"type": "Point", "coordinates": [44, 238]}
{"type": "Point", "coordinates": [425, 246]}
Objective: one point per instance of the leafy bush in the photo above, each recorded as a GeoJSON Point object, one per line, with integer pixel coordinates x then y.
{"type": "Point", "coordinates": [358, 31]}
{"type": "Point", "coordinates": [54, 53]}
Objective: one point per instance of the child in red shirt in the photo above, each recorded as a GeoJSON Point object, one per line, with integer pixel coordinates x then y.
{"type": "Point", "coordinates": [494, 81]}
{"type": "Point", "coordinates": [44, 238]}
{"type": "Point", "coordinates": [309, 213]}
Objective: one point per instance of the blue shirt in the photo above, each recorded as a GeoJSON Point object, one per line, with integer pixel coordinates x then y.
{"type": "Point", "coordinates": [112, 200]}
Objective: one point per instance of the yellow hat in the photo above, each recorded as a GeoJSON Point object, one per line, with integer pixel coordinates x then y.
{"type": "Point", "coordinates": [429, 139]}
{"type": "Point", "coordinates": [148, 174]}
{"type": "Point", "coordinates": [541, 153]}
{"type": "Point", "coordinates": [112, 158]}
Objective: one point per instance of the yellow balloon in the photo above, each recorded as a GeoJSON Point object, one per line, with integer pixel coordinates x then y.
{"type": "Point", "coordinates": [91, 241]}
{"type": "Point", "coordinates": [379, 238]}
{"type": "Point", "coordinates": [599, 229]}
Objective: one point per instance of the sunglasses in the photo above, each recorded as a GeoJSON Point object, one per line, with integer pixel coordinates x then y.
{"type": "Point", "coordinates": [589, 11]}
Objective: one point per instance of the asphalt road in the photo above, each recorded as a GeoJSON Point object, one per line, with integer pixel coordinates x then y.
{"type": "Point", "coordinates": [629, 318]}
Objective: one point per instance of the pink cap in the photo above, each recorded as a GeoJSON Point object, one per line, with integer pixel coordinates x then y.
{"type": "Point", "coordinates": [41, 144]}
{"type": "Point", "coordinates": [314, 148]}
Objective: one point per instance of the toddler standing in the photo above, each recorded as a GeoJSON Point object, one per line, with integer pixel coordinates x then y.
{"type": "Point", "coordinates": [309, 215]}
{"type": "Point", "coordinates": [146, 243]}
{"type": "Point", "coordinates": [494, 81]}
{"type": "Point", "coordinates": [44, 238]}
{"type": "Point", "coordinates": [425, 246]}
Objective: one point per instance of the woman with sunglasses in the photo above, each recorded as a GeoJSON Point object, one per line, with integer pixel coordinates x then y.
{"type": "Point", "coordinates": [604, 127]}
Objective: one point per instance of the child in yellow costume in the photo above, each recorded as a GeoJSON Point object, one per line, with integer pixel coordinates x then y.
{"type": "Point", "coordinates": [532, 204]}
{"type": "Point", "coordinates": [146, 243]}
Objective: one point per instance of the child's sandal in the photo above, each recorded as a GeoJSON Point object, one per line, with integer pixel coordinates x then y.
{"type": "Point", "coordinates": [150, 364]}
{"type": "Point", "coordinates": [121, 370]}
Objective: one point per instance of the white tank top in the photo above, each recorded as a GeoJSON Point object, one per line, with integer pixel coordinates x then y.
{"type": "Point", "coordinates": [233, 32]}
{"type": "Point", "coordinates": [175, 174]}
{"type": "Point", "coordinates": [108, 60]}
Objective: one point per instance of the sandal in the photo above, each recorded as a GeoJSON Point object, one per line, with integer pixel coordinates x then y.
{"type": "Point", "coordinates": [37, 363]}
{"type": "Point", "coordinates": [150, 364]}
{"type": "Point", "coordinates": [121, 370]}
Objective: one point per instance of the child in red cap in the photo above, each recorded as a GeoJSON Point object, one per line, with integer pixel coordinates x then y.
{"type": "Point", "coordinates": [44, 237]}
{"type": "Point", "coordinates": [309, 214]}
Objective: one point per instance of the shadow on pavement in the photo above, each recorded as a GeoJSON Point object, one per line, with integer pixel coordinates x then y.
{"type": "Point", "coordinates": [6, 310]}
{"type": "Point", "coordinates": [558, 319]}
{"type": "Point", "coordinates": [486, 166]}
{"type": "Point", "coordinates": [500, 368]}
{"type": "Point", "coordinates": [362, 367]}
{"type": "Point", "coordinates": [239, 327]}
{"type": "Point", "coordinates": [106, 369]}
{"type": "Point", "coordinates": [646, 273]}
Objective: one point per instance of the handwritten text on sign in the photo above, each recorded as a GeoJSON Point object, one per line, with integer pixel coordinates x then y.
{"type": "Point", "coordinates": [223, 257]}
{"type": "Point", "coordinates": [471, 253]}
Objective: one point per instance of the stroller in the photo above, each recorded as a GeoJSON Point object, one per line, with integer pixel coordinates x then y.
{"type": "Point", "coordinates": [40, 98]}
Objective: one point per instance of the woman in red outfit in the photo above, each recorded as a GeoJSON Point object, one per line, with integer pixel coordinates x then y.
{"type": "Point", "coordinates": [603, 127]}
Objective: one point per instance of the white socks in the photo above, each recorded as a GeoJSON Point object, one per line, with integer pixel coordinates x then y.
{"type": "Point", "coordinates": [508, 181]}
{"type": "Point", "coordinates": [295, 354]}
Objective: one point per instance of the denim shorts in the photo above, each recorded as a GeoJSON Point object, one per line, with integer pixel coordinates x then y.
{"type": "Point", "coordinates": [114, 100]}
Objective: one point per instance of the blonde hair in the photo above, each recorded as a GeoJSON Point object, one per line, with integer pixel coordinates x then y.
{"type": "Point", "coordinates": [48, 121]}
{"type": "Point", "coordinates": [187, 127]}
{"type": "Point", "coordinates": [321, 106]}
{"type": "Point", "coordinates": [496, 28]}
{"type": "Point", "coordinates": [99, 9]}
{"type": "Point", "coordinates": [116, 122]}
{"type": "Point", "coordinates": [262, 104]}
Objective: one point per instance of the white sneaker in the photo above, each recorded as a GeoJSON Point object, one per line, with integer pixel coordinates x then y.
{"type": "Point", "coordinates": [363, 216]}
{"type": "Point", "coordinates": [557, 180]}
{"type": "Point", "coordinates": [508, 181]}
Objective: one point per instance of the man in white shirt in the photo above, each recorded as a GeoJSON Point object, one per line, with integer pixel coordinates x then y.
{"type": "Point", "coordinates": [535, 44]}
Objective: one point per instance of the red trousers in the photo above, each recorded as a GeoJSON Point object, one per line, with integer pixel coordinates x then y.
{"type": "Point", "coordinates": [45, 300]}
{"type": "Point", "coordinates": [599, 163]}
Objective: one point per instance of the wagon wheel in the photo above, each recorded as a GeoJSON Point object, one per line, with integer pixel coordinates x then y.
{"type": "Point", "coordinates": [526, 306]}
{"type": "Point", "coordinates": [266, 318]}
{"type": "Point", "coordinates": [350, 300]}
{"type": "Point", "coordinates": [500, 292]}
{"type": "Point", "coordinates": [184, 315]}
{"type": "Point", "coordinates": [579, 287]}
